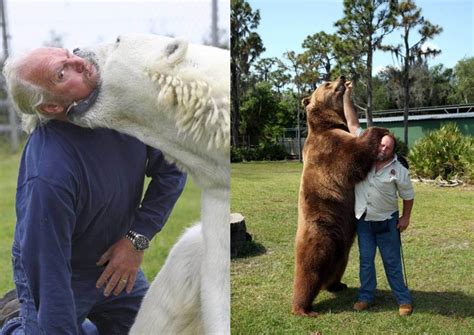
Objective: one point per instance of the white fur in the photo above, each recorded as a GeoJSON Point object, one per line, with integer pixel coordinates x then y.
{"type": "Point", "coordinates": [182, 268]}
{"type": "Point", "coordinates": [176, 97]}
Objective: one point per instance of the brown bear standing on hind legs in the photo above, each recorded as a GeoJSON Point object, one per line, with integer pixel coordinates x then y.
{"type": "Point", "coordinates": [334, 161]}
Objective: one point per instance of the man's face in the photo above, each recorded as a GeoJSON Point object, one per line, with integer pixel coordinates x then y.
{"type": "Point", "coordinates": [386, 148]}
{"type": "Point", "coordinates": [61, 73]}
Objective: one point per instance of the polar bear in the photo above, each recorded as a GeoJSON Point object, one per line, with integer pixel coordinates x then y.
{"type": "Point", "coordinates": [175, 96]}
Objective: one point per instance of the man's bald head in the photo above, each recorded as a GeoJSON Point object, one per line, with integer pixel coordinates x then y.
{"type": "Point", "coordinates": [47, 80]}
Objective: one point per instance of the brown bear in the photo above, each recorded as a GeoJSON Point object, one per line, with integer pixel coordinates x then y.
{"type": "Point", "coordinates": [334, 161]}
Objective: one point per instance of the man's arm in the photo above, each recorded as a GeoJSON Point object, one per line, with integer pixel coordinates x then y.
{"type": "Point", "coordinates": [45, 224]}
{"type": "Point", "coordinates": [404, 220]}
{"type": "Point", "coordinates": [160, 197]}
{"type": "Point", "coordinates": [406, 192]}
{"type": "Point", "coordinates": [166, 185]}
{"type": "Point", "coordinates": [349, 110]}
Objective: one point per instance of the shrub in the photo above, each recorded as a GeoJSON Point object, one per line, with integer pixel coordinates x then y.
{"type": "Point", "coordinates": [401, 149]}
{"type": "Point", "coordinates": [267, 151]}
{"type": "Point", "coordinates": [272, 152]}
{"type": "Point", "coordinates": [236, 155]}
{"type": "Point", "coordinates": [251, 154]}
{"type": "Point", "coordinates": [444, 153]}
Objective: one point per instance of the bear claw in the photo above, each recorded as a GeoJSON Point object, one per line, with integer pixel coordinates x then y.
{"type": "Point", "coordinates": [301, 312]}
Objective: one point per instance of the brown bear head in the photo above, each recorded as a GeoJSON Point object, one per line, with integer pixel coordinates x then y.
{"type": "Point", "coordinates": [324, 108]}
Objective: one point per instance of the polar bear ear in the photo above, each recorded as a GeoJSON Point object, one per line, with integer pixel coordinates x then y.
{"type": "Point", "coordinates": [176, 50]}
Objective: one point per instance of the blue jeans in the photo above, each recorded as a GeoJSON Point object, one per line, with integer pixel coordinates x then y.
{"type": "Point", "coordinates": [370, 236]}
{"type": "Point", "coordinates": [105, 315]}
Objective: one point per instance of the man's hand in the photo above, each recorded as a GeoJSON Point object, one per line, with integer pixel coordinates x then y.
{"type": "Point", "coordinates": [348, 91]}
{"type": "Point", "coordinates": [122, 268]}
{"type": "Point", "coordinates": [403, 223]}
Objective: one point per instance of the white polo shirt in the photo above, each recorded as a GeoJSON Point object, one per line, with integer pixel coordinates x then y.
{"type": "Point", "coordinates": [377, 194]}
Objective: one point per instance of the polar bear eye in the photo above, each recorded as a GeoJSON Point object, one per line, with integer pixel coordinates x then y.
{"type": "Point", "coordinates": [117, 40]}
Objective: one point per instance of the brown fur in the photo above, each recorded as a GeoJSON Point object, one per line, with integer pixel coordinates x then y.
{"type": "Point", "coordinates": [334, 160]}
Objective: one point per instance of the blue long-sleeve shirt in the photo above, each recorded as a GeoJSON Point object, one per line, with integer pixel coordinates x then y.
{"type": "Point", "coordinates": [80, 191]}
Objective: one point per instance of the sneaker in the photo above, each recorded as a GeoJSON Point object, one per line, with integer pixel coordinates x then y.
{"type": "Point", "coordinates": [405, 309]}
{"type": "Point", "coordinates": [361, 306]}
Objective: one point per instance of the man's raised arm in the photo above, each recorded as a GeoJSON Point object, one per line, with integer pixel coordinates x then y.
{"type": "Point", "coordinates": [349, 110]}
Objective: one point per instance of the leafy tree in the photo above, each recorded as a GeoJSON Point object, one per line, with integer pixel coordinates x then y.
{"type": "Point", "coordinates": [297, 66]}
{"type": "Point", "coordinates": [279, 77]}
{"type": "Point", "coordinates": [320, 51]}
{"type": "Point", "coordinates": [246, 46]}
{"type": "Point", "coordinates": [263, 67]}
{"type": "Point", "coordinates": [464, 71]}
{"type": "Point", "coordinates": [309, 74]}
{"type": "Point", "coordinates": [442, 90]}
{"type": "Point", "coordinates": [383, 98]}
{"type": "Point", "coordinates": [286, 117]}
{"type": "Point", "coordinates": [408, 18]}
{"type": "Point", "coordinates": [421, 84]}
{"type": "Point", "coordinates": [265, 113]}
{"type": "Point", "coordinates": [258, 112]}
{"type": "Point", "coordinates": [362, 29]}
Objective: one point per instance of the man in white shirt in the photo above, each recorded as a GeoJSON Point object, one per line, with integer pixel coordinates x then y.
{"type": "Point", "coordinates": [378, 221]}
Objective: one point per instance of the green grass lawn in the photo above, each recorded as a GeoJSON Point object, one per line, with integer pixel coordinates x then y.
{"type": "Point", "coordinates": [438, 249]}
{"type": "Point", "coordinates": [184, 214]}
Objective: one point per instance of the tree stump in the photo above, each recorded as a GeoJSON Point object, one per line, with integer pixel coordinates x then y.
{"type": "Point", "coordinates": [238, 234]}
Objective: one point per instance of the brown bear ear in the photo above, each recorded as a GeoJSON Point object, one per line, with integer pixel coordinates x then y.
{"type": "Point", "coordinates": [305, 101]}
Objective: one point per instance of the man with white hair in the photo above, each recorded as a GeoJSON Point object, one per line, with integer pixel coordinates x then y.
{"type": "Point", "coordinates": [82, 225]}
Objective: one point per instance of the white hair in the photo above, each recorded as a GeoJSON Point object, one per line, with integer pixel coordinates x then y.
{"type": "Point", "coordinates": [25, 96]}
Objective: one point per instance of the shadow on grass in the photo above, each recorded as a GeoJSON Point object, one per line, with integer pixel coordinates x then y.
{"type": "Point", "coordinates": [251, 249]}
{"type": "Point", "coordinates": [450, 304]}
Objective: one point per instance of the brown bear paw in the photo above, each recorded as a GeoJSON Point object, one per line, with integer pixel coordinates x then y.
{"type": "Point", "coordinates": [303, 312]}
{"type": "Point", "coordinates": [336, 287]}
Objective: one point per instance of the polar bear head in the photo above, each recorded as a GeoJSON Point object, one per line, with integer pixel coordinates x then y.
{"type": "Point", "coordinates": [162, 90]}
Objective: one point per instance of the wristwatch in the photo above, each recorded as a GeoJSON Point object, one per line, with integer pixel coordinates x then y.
{"type": "Point", "coordinates": [139, 241]}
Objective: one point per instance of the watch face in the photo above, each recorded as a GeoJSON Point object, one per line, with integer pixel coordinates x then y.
{"type": "Point", "coordinates": [141, 242]}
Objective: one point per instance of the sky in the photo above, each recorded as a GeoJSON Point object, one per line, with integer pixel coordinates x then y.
{"type": "Point", "coordinates": [89, 22]}
{"type": "Point", "coordinates": [285, 24]}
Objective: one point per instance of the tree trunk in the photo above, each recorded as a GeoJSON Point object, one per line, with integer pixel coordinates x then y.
{"type": "Point", "coordinates": [368, 111]}
{"type": "Point", "coordinates": [406, 98]}
{"type": "Point", "coordinates": [406, 87]}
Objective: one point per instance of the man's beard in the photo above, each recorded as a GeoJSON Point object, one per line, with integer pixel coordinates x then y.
{"type": "Point", "coordinates": [91, 58]}
{"type": "Point", "coordinates": [383, 157]}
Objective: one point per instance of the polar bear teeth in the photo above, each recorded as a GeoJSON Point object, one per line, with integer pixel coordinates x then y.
{"type": "Point", "coordinates": [197, 113]}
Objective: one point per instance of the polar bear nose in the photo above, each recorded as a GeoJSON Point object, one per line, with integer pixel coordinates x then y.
{"type": "Point", "coordinates": [171, 48]}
